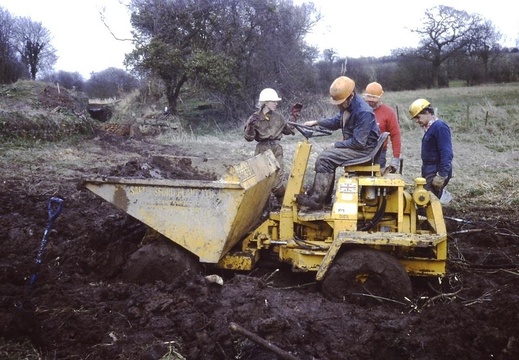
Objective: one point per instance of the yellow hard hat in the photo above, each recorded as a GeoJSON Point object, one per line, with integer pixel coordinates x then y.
{"type": "Point", "coordinates": [268, 94]}
{"type": "Point", "coordinates": [341, 89]}
{"type": "Point", "coordinates": [373, 92]}
{"type": "Point", "coordinates": [417, 106]}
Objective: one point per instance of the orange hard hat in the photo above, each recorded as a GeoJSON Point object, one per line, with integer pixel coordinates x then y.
{"type": "Point", "coordinates": [373, 92]}
{"type": "Point", "coordinates": [341, 89]}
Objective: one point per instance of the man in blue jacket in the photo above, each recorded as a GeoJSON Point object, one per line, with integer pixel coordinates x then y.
{"type": "Point", "coordinates": [436, 146]}
{"type": "Point", "coordinates": [360, 135]}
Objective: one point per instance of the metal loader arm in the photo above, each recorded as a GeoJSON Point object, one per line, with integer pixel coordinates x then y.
{"type": "Point", "coordinates": [309, 131]}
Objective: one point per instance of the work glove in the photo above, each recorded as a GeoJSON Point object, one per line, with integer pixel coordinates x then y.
{"type": "Point", "coordinates": [393, 167]}
{"type": "Point", "coordinates": [290, 129]}
{"type": "Point", "coordinates": [249, 127]}
{"type": "Point", "coordinates": [253, 119]}
{"type": "Point", "coordinates": [295, 111]}
{"type": "Point", "coordinates": [438, 182]}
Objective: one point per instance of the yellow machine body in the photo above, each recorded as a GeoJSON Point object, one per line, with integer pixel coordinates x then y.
{"type": "Point", "coordinates": [219, 221]}
{"type": "Point", "coordinates": [310, 241]}
{"type": "Point", "coordinates": [205, 217]}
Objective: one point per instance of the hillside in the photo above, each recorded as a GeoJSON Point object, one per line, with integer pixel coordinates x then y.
{"type": "Point", "coordinates": [81, 306]}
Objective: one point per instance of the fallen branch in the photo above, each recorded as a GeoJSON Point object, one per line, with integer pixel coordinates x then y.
{"type": "Point", "coordinates": [380, 298]}
{"type": "Point", "coordinates": [260, 341]}
{"type": "Point", "coordinates": [504, 234]}
{"type": "Point", "coordinates": [267, 278]}
{"type": "Point", "coordinates": [478, 300]}
{"type": "Point", "coordinates": [468, 231]}
{"type": "Point", "coordinates": [450, 296]}
{"type": "Point", "coordinates": [457, 220]}
{"type": "Point", "coordinates": [294, 287]}
{"type": "Point", "coordinates": [494, 267]}
{"type": "Point", "coordinates": [485, 297]}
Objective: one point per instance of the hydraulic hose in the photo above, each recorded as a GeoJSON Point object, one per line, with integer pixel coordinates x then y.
{"type": "Point", "coordinates": [377, 217]}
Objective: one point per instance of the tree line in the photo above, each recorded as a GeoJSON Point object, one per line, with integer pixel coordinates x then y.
{"type": "Point", "coordinates": [226, 51]}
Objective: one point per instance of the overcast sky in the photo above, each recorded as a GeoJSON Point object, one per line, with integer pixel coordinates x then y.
{"type": "Point", "coordinates": [82, 42]}
{"type": "Point", "coordinates": [352, 28]}
{"type": "Point", "coordinates": [374, 28]}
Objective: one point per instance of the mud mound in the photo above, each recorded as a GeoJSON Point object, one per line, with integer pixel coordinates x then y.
{"type": "Point", "coordinates": [159, 260]}
{"type": "Point", "coordinates": [34, 110]}
{"type": "Point", "coordinates": [161, 167]}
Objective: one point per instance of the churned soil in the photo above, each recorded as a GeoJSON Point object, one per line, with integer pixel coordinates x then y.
{"type": "Point", "coordinates": [100, 292]}
{"type": "Point", "coordinates": [85, 305]}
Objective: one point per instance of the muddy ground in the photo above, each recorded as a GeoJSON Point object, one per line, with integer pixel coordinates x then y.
{"type": "Point", "coordinates": [80, 306]}
{"type": "Point", "coordinates": [86, 303]}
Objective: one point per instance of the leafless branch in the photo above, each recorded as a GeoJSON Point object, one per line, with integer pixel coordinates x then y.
{"type": "Point", "coordinates": [380, 298]}
{"type": "Point", "coordinates": [260, 341]}
{"type": "Point", "coordinates": [296, 286]}
{"type": "Point", "coordinates": [449, 296]}
{"type": "Point", "coordinates": [103, 20]}
{"type": "Point", "coordinates": [267, 278]}
{"type": "Point", "coordinates": [468, 231]}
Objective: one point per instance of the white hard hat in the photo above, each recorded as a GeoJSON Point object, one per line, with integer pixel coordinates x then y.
{"type": "Point", "coordinates": [268, 94]}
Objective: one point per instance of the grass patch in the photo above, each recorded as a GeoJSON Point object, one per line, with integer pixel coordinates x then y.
{"type": "Point", "coordinates": [484, 122]}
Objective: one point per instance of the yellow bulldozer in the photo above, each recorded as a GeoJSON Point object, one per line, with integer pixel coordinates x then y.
{"type": "Point", "coordinates": [378, 232]}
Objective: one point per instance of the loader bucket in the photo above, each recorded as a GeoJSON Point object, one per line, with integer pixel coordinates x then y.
{"type": "Point", "coordinates": [205, 217]}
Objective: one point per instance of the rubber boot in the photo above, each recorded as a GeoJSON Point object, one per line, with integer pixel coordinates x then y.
{"type": "Point", "coordinates": [321, 187]}
{"type": "Point", "coordinates": [329, 196]}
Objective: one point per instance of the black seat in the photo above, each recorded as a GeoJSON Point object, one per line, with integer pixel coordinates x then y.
{"type": "Point", "coordinates": [372, 157]}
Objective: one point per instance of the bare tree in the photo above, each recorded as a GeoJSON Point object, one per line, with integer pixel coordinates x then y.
{"type": "Point", "coordinates": [111, 82]}
{"type": "Point", "coordinates": [445, 33]}
{"type": "Point", "coordinates": [329, 55]}
{"type": "Point", "coordinates": [69, 80]}
{"type": "Point", "coordinates": [10, 68]}
{"type": "Point", "coordinates": [485, 44]}
{"type": "Point", "coordinates": [32, 42]}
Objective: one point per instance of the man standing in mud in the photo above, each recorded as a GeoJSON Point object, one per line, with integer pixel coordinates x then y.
{"type": "Point", "coordinates": [437, 151]}
{"type": "Point", "coordinates": [387, 121]}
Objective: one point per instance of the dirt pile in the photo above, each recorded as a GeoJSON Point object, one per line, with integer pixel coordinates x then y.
{"type": "Point", "coordinates": [32, 110]}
